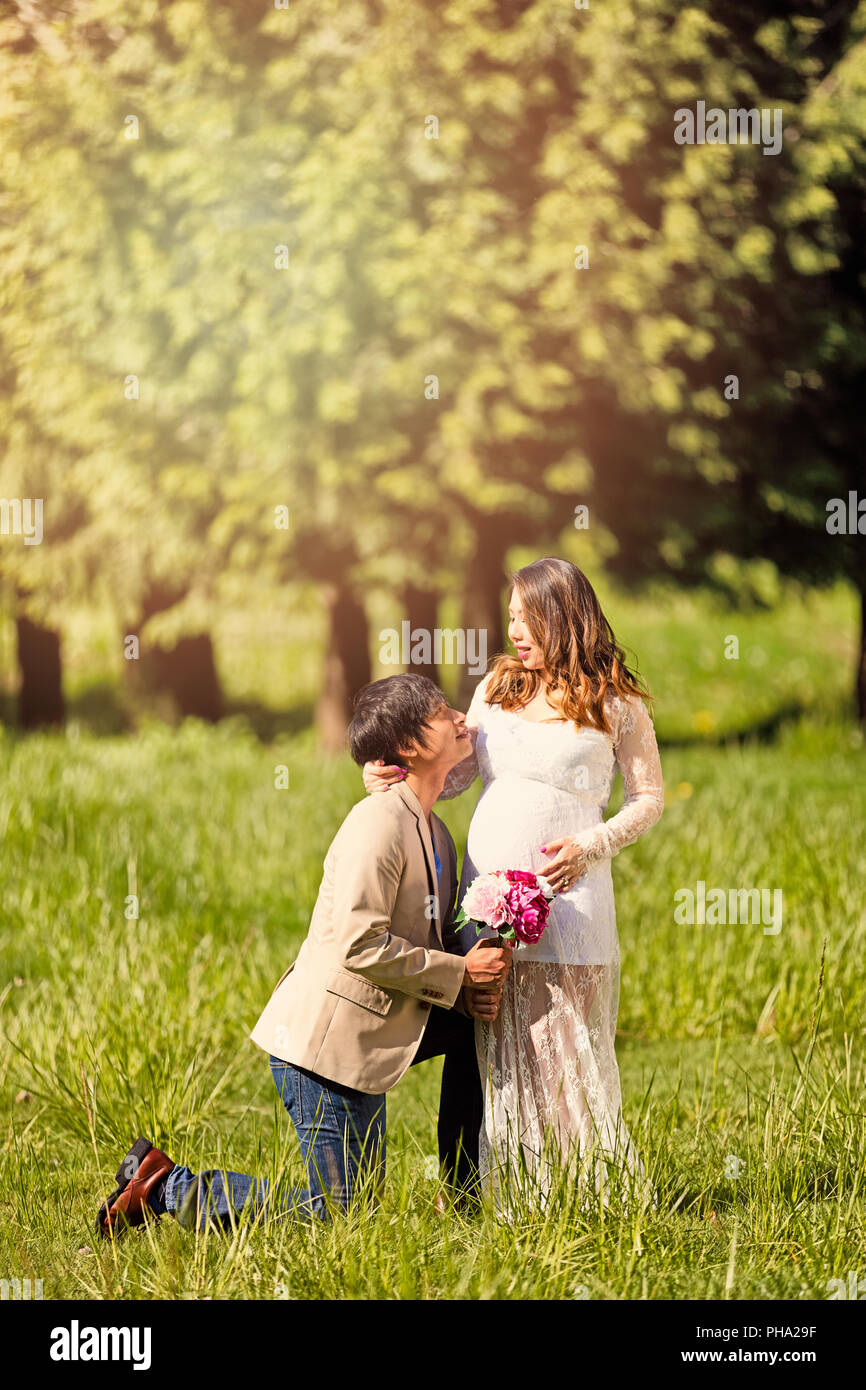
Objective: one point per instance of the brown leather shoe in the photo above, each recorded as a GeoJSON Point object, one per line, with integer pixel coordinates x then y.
{"type": "Point", "coordinates": [140, 1172]}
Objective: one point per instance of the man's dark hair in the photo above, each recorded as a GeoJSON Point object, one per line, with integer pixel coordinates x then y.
{"type": "Point", "coordinates": [390, 714]}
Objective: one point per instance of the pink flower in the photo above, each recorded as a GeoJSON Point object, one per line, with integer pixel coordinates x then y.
{"type": "Point", "coordinates": [509, 899]}
{"type": "Point", "coordinates": [528, 906]}
{"type": "Point", "coordinates": [485, 900]}
{"type": "Point", "coordinates": [530, 926]}
{"type": "Point", "coordinates": [521, 876]}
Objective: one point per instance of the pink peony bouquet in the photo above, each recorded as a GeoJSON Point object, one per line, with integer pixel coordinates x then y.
{"type": "Point", "coordinates": [516, 903]}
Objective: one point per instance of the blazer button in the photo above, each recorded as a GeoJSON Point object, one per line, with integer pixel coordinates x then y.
{"type": "Point", "coordinates": [424, 1004]}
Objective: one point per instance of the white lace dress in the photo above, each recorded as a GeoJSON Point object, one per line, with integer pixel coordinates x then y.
{"type": "Point", "coordinates": [552, 1091]}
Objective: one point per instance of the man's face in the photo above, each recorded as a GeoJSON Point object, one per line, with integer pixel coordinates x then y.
{"type": "Point", "coordinates": [448, 740]}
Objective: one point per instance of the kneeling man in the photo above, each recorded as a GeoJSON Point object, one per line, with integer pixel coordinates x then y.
{"type": "Point", "coordinates": [378, 985]}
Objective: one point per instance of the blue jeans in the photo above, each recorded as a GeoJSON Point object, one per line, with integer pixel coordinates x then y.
{"type": "Point", "coordinates": [342, 1137]}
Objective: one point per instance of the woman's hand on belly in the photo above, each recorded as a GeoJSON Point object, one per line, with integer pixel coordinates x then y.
{"type": "Point", "coordinates": [567, 866]}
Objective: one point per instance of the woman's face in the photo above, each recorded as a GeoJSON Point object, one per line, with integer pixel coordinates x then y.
{"type": "Point", "coordinates": [527, 649]}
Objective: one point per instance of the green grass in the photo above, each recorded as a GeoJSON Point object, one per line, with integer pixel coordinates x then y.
{"type": "Point", "coordinates": [728, 1045]}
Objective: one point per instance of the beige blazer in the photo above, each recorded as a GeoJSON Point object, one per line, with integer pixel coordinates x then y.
{"type": "Point", "coordinates": [353, 1005]}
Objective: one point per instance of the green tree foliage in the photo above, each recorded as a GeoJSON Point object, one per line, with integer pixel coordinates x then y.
{"type": "Point", "coordinates": [429, 276]}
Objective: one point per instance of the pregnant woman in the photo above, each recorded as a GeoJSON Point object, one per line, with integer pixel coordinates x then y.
{"type": "Point", "coordinates": [551, 727]}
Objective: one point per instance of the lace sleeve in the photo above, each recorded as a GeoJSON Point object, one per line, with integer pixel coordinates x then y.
{"type": "Point", "coordinates": [637, 757]}
{"type": "Point", "coordinates": [463, 774]}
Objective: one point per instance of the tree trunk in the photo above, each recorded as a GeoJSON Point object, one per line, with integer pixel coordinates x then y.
{"type": "Point", "coordinates": [40, 699]}
{"type": "Point", "coordinates": [421, 607]}
{"type": "Point", "coordinates": [187, 673]}
{"type": "Point", "coordinates": [482, 602]}
{"type": "Point", "coordinates": [347, 665]}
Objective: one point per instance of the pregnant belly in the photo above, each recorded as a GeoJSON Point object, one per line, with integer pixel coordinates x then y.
{"type": "Point", "coordinates": [516, 816]}
{"type": "Point", "coordinates": [513, 819]}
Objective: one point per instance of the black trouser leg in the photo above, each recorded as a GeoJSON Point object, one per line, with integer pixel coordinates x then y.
{"type": "Point", "coordinates": [452, 1034]}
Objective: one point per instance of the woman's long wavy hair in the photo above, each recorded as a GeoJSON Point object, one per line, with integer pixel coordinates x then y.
{"type": "Point", "coordinates": [583, 661]}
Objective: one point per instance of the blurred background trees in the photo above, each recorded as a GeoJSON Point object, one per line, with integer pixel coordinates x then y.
{"type": "Point", "coordinates": [356, 302]}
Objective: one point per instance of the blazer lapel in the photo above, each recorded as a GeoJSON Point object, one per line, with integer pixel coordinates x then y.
{"type": "Point", "coordinates": [414, 805]}
{"type": "Point", "coordinates": [449, 862]}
